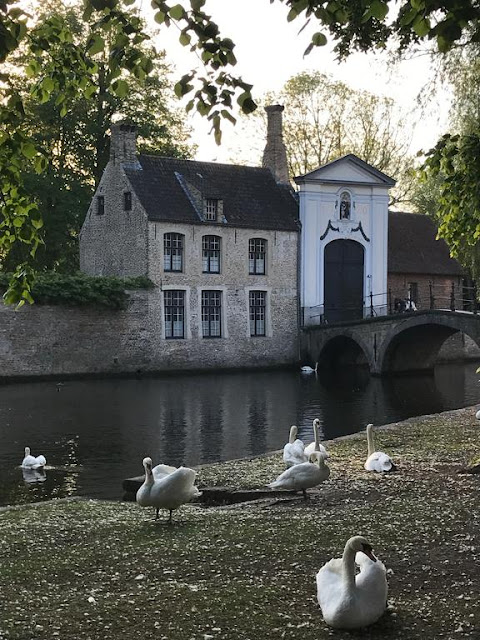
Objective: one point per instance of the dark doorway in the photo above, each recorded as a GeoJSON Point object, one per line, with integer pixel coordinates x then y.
{"type": "Point", "coordinates": [343, 280]}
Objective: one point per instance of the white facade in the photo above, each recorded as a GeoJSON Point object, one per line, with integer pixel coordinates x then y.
{"type": "Point", "coordinates": [364, 191]}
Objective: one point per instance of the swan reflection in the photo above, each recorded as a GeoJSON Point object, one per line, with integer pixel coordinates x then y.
{"type": "Point", "coordinates": [33, 476]}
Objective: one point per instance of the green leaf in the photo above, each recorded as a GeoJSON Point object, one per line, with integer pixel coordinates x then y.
{"type": "Point", "coordinates": [421, 27]}
{"type": "Point", "coordinates": [159, 17]}
{"type": "Point", "coordinates": [378, 9]}
{"type": "Point", "coordinates": [319, 39]}
{"type": "Point", "coordinates": [48, 84]}
{"type": "Point", "coordinates": [28, 150]}
{"type": "Point", "coordinates": [185, 39]}
{"type": "Point", "coordinates": [96, 45]}
{"type": "Point", "coordinates": [177, 12]}
{"type": "Point", "coordinates": [120, 88]}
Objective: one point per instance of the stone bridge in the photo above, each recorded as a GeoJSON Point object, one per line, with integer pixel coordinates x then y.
{"type": "Point", "coordinates": [388, 344]}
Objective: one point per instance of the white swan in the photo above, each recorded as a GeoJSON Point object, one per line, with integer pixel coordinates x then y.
{"type": "Point", "coordinates": [303, 476]}
{"type": "Point", "coordinates": [315, 445]}
{"type": "Point", "coordinates": [377, 460]}
{"type": "Point", "coordinates": [307, 369]}
{"type": "Point", "coordinates": [477, 415]}
{"type": "Point", "coordinates": [293, 451]}
{"type": "Point", "coordinates": [168, 491]}
{"type": "Point", "coordinates": [350, 601]}
{"type": "Point", "coordinates": [32, 462]}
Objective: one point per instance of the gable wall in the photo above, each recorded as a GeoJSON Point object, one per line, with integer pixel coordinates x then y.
{"type": "Point", "coordinates": [319, 206]}
{"type": "Point", "coordinates": [115, 243]}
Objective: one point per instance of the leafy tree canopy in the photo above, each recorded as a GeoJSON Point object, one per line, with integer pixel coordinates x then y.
{"type": "Point", "coordinates": [70, 70]}
{"type": "Point", "coordinates": [325, 119]}
{"type": "Point", "coordinates": [76, 145]}
{"type": "Point", "coordinates": [449, 180]}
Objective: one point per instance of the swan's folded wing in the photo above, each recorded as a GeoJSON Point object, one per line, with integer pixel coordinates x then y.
{"type": "Point", "coordinates": [162, 470]}
{"type": "Point", "coordinates": [293, 453]}
{"type": "Point", "coordinates": [286, 480]}
{"type": "Point", "coordinates": [379, 462]}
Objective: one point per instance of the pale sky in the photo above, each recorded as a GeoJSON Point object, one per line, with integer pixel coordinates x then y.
{"type": "Point", "coordinates": [270, 50]}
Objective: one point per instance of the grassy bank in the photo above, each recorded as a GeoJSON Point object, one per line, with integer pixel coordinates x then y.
{"type": "Point", "coordinates": [84, 569]}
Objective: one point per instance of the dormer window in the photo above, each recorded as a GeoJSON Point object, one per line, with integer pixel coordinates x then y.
{"type": "Point", "coordinates": [211, 209]}
{"type": "Point", "coordinates": [345, 206]}
{"type": "Point", "coordinates": [127, 201]}
{"type": "Point", "coordinates": [100, 205]}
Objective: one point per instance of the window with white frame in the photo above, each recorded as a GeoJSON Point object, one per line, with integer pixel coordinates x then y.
{"type": "Point", "coordinates": [211, 209]}
{"type": "Point", "coordinates": [257, 254]}
{"type": "Point", "coordinates": [173, 252]}
{"type": "Point", "coordinates": [258, 312]}
{"type": "Point", "coordinates": [211, 314]}
{"type": "Point", "coordinates": [211, 254]}
{"type": "Point", "coordinates": [174, 305]}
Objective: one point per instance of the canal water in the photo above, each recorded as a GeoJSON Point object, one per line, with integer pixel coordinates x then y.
{"type": "Point", "coordinates": [95, 433]}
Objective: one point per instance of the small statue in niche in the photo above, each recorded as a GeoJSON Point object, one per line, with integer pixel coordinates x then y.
{"type": "Point", "coordinates": [345, 205]}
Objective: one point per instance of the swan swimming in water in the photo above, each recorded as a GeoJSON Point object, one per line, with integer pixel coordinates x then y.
{"type": "Point", "coordinates": [168, 490]}
{"type": "Point", "coordinates": [350, 601]}
{"type": "Point", "coordinates": [303, 476]}
{"type": "Point", "coordinates": [377, 460]}
{"type": "Point", "coordinates": [308, 369]}
{"type": "Point", "coordinates": [315, 445]}
{"type": "Point", "coordinates": [293, 451]}
{"type": "Point", "coordinates": [32, 462]}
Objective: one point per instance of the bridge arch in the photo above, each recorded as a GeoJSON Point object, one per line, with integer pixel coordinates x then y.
{"type": "Point", "coordinates": [389, 344]}
{"type": "Point", "coordinates": [343, 351]}
{"type": "Point", "coordinates": [414, 344]}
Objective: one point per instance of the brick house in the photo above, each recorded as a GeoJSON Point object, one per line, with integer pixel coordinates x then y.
{"type": "Point", "coordinates": [220, 242]}
{"type": "Point", "coordinates": [419, 265]}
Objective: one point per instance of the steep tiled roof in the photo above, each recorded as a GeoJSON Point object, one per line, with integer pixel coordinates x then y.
{"type": "Point", "coordinates": [168, 188]}
{"type": "Point", "coordinates": [412, 247]}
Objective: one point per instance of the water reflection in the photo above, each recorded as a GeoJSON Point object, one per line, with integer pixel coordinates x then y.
{"type": "Point", "coordinates": [96, 433]}
{"type": "Point", "coordinates": [32, 476]}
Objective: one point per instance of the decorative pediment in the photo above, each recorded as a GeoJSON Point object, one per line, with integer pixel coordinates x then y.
{"type": "Point", "coordinates": [347, 170]}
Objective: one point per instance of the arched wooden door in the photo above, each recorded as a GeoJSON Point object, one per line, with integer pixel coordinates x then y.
{"type": "Point", "coordinates": [343, 280]}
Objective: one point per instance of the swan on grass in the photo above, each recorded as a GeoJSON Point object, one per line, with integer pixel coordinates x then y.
{"type": "Point", "coordinates": [315, 445]}
{"type": "Point", "coordinates": [308, 369]}
{"type": "Point", "coordinates": [377, 460]}
{"type": "Point", "coordinates": [303, 476]}
{"type": "Point", "coordinates": [168, 490]}
{"type": "Point", "coordinates": [32, 462]}
{"type": "Point", "coordinates": [349, 600]}
{"type": "Point", "coordinates": [293, 451]}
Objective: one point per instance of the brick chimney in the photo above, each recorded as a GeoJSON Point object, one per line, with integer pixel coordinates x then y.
{"type": "Point", "coordinates": [275, 154]}
{"type": "Point", "coordinates": [123, 142]}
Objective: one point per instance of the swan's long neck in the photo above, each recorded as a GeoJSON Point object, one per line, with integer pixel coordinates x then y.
{"type": "Point", "coordinates": [315, 435]}
{"type": "Point", "coordinates": [27, 451]}
{"type": "Point", "coordinates": [370, 443]}
{"type": "Point", "coordinates": [148, 475]}
{"type": "Point", "coordinates": [293, 434]}
{"type": "Point", "coordinates": [348, 567]}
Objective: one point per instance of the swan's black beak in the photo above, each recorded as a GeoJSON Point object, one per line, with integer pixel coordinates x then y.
{"type": "Point", "coordinates": [368, 551]}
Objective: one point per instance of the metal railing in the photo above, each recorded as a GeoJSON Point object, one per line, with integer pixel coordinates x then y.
{"type": "Point", "coordinates": [396, 301]}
